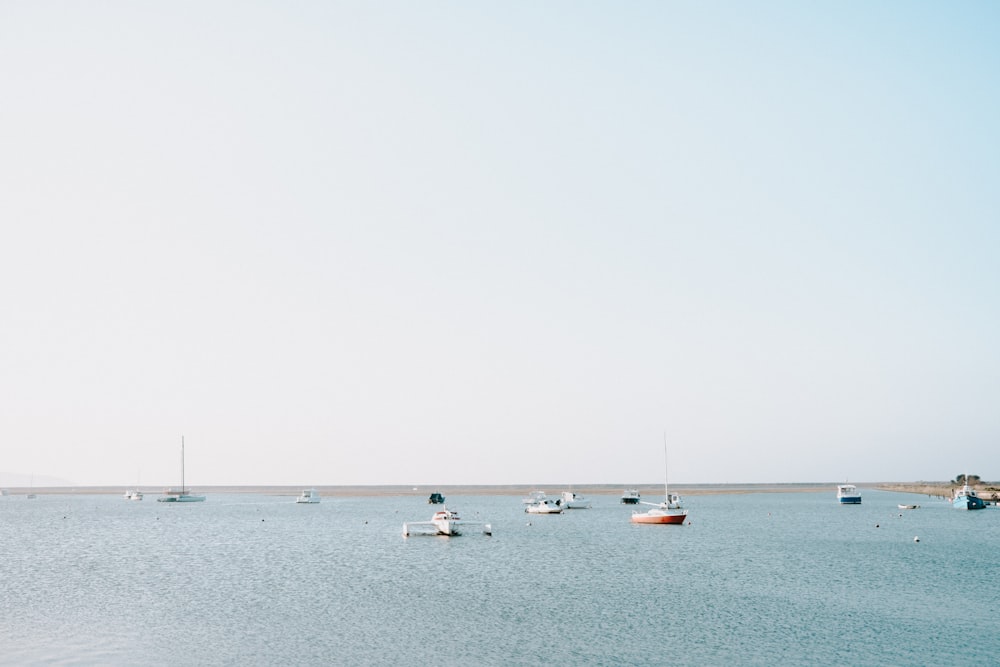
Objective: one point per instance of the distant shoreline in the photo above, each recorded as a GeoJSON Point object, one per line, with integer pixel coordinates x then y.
{"type": "Point", "coordinates": [942, 489]}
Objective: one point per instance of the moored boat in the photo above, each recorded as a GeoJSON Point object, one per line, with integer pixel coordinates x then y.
{"type": "Point", "coordinates": [545, 506]}
{"type": "Point", "coordinates": [182, 495]}
{"type": "Point", "coordinates": [966, 498]}
{"type": "Point", "coordinates": [630, 497]}
{"type": "Point", "coordinates": [662, 515]}
{"type": "Point", "coordinates": [133, 494]}
{"type": "Point", "coordinates": [308, 497]}
{"type": "Point", "coordinates": [435, 499]}
{"type": "Point", "coordinates": [909, 507]}
{"type": "Point", "coordinates": [444, 522]}
{"type": "Point", "coordinates": [670, 511]}
{"type": "Point", "coordinates": [848, 494]}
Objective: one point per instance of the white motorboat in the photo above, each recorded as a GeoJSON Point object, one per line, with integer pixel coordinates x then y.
{"type": "Point", "coordinates": [444, 522]}
{"type": "Point", "coordinates": [546, 506]}
{"type": "Point", "coordinates": [847, 494]}
{"type": "Point", "coordinates": [630, 497]}
{"type": "Point", "coordinates": [308, 496]}
{"type": "Point", "coordinates": [571, 501]}
{"type": "Point", "coordinates": [133, 494]}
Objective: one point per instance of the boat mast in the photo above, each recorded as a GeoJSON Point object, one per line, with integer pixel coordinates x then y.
{"type": "Point", "coordinates": [666, 489]}
{"type": "Point", "coordinates": [183, 491]}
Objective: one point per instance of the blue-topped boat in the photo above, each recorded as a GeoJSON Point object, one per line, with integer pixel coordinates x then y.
{"type": "Point", "coordinates": [847, 494]}
{"type": "Point", "coordinates": [966, 498]}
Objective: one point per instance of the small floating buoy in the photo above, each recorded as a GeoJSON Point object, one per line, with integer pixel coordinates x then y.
{"type": "Point", "coordinates": [916, 539]}
{"type": "Point", "coordinates": [876, 525]}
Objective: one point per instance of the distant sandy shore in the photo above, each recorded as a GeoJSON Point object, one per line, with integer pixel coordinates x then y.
{"type": "Point", "coordinates": [941, 489]}
{"type": "Point", "coordinates": [989, 491]}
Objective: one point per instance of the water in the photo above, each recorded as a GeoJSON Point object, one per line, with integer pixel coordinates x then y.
{"type": "Point", "coordinates": [756, 579]}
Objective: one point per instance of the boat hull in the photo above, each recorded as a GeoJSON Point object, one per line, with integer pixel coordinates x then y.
{"type": "Point", "coordinates": [969, 503]}
{"type": "Point", "coordinates": [850, 500]}
{"type": "Point", "coordinates": [181, 499]}
{"type": "Point", "coordinates": [663, 519]}
{"type": "Point", "coordinates": [543, 510]}
{"type": "Point", "coordinates": [446, 528]}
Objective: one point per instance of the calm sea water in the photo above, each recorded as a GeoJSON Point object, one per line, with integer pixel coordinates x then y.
{"type": "Point", "coordinates": [759, 579]}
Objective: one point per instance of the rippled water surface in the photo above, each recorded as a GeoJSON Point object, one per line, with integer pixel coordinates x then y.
{"type": "Point", "coordinates": [766, 579]}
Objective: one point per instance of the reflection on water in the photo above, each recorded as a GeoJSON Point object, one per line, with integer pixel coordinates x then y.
{"type": "Point", "coordinates": [246, 579]}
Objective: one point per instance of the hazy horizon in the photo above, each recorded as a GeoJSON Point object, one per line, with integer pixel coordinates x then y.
{"type": "Point", "coordinates": [395, 243]}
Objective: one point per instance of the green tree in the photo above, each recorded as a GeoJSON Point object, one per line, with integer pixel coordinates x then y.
{"type": "Point", "coordinates": [972, 479]}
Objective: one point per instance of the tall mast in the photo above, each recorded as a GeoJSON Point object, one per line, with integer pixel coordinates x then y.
{"type": "Point", "coordinates": [666, 489]}
{"type": "Point", "coordinates": [183, 491]}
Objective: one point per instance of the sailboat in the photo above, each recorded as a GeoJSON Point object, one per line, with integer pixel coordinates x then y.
{"type": "Point", "coordinates": [667, 512]}
{"type": "Point", "coordinates": [182, 496]}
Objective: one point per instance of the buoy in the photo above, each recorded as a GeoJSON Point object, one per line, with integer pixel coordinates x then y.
{"type": "Point", "coordinates": [876, 525]}
{"type": "Point", "coordinates": [916, 539]}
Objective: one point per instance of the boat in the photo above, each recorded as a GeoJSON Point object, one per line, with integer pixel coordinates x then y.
{"type": "Point", "coordinates": [133, 494]}
{"type": "Point", "coordinates": [908, 507]}
{"type": "Point", "coordinates": [630, 497]}
{"type": "Point", "coordinates": [670, 511]}
{"type": "Point", "coordinates": [571, 501]}
{"type": "Point", "coordinates": [966, 498]}
{"type": "Point", "coordinates": [658, 514]}
{"type": "Point", "coordinates": [533, 497]}
{"type": "Point", "coordinates": [545, 506]}
{"type": "Point", "coordinates": [435, 499]}
{"type": "Point", "coordinates": [444, 522]}
{"type": "Point", "coordinates": [847, 494]}
{"type": "Point", "coordinates": [182, 495]}
{"type": "Point", "coordinates": [308, 497]}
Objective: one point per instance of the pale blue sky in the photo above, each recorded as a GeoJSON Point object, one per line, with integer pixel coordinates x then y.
{"type": "Point", "coordinates": [454, 242]}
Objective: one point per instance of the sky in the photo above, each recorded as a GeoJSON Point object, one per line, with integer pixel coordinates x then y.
{"type": "Point", "coordinates": [499, 242]}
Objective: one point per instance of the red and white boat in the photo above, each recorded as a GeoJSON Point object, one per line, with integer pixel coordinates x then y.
{"type": "Point", "coordinates": [662, 513]}
{"type": "Point", "coordinates": [670, 511]}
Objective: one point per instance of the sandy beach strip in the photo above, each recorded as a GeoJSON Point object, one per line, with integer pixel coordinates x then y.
{"type": "Point", "coordinates": [520, 490]}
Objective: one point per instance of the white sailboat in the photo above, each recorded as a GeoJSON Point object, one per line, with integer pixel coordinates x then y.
{"type": "Point", "coordinates": [182, 496]}
{"type": "Point", "coordinates": [670, 511]}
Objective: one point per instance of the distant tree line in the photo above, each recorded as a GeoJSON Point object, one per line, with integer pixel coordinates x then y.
{"type": "Point", "coordinates": [971, 480]}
